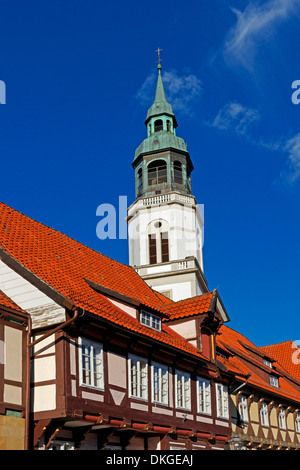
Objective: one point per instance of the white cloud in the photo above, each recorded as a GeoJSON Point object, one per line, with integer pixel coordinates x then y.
{"type": "Point", "coordinates": [236, 118]}
{"type": "Point", "coordinates": [182, 90]}
{"type": "Point", "coordinates": [255, 25]}
{"type": "Point", "coordinates": [292, 147]}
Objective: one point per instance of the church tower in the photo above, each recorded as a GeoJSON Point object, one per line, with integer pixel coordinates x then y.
{"type": "Point", "coordinates": [165, 225]}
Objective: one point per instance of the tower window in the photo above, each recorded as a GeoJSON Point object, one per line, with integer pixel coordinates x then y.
{"type": "Point", "coordinates": [164, 247]}
{"type": "Point", "coordinates": [157, 172]}
{"type": "Point", "coordinates": [152, 249]}
{"type": "Point", "coordinates": [158, 125]}
{"type": "Point", "coordinates": [168, 126]}
{"type": "Point", "coordinates": [178, 173]}
{"type": "Point", "coordinates": [140, 181]}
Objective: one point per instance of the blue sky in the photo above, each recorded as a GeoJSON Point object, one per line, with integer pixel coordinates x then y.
{"type": "Point", "coordinates": [80, 77]}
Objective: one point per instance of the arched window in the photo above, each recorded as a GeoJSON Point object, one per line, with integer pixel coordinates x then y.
{"type": "Point", "coordinates": [158, 125]}
{"type": "Point", "coordinates": [158, 242]}
{"type": "Point", "coordinates": [178, 172]}
{"type": "Point", "coordinates": [140, 181]}
{"type": "Point", "coordinates": [168, 126]}
{"type": "Point", "coordinates": [157, 172]}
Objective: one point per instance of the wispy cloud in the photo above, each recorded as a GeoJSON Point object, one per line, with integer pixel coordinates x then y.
{"type": "Point", "coordinates": [256, 24]}
{"type": "Point", "coordinates": [182, 90]}
{"type": "Point", "coordinates": [292, 148]}
{"type": "Point", "coordinates": [239, 119]}
{"type": "Point", "coordinates": [235, 117]}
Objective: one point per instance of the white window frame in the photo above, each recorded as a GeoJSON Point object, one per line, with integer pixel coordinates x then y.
{"type": "Point", "coordinates": [139, 388]}
{"type": "Point", "coordinates": [222, 398]}
{"type": "Point", "coordinates": [297, 423]}
{"type": "Point", "coordinates": [267, 363]}
{"type": "Point", "coordinates": [264, 415]}
{"type": "Point", "coordinates": [203, 396]}
{"type": "Point", "coordinates": [274, 381]}
{"type": "Point", "coordinates": [282, 418]}
{"type": "Point", "coordinates": [150, 320]}
{"type": "Point", "coordinates": [243, 408]}
{"type": "Point", "coordinates": [183, 379]}
{"type": "Point", "coordinates": [95, 348]}
{"type": "Point", "coordinates": [160, 383]}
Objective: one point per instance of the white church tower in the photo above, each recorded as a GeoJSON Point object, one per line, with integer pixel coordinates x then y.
{"type": "Point", "coordinates": [165, 224]}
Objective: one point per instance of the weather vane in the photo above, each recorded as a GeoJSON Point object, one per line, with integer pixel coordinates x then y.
{"type": "Point", "coordinates": [158, 55]}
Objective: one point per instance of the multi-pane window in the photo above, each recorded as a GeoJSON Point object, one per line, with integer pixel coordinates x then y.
{"type": "Point", "coordinates": [91, 363]}
{"type": "Point", "coordinates": [282, 419]}
{"type": "Point", "coordinates": [264, 414]}
{"type": "Point", "coordinates": [274, 381]}
{"type": "Point", "coordinates": [243, 408]}
{"type": "Point", "coordinates": [164, 247]}
{"type": "Point", "coordinates": [152, 249]}
{"type": "Point", "coordinates": [138, 377]}
{"type": "Point", "coordinates": [267, 363]}
{"type": "Point", "coordinates": [159, 383]}
{"type": "Point", "coordinates": [204, 395]}
{"type": "Point", "coordinates": [297, 423]}
{"type": "Point", "coordinates": [150, 320]}
{"type": "Point", "coordinates": [183, 390]}
{"type": "Point", "coordinates": [222, 401]}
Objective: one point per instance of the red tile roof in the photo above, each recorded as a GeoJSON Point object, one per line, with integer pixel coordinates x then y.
{"type": "Point", "coordinates": [7, 302]}
{"type": "Point", "coordinates": [241, 360]}
{"type": "Point", "coordinates": [288, 356]}
{"type": "Point", "coordinates": [188, 307]}
{"type": "Point", "coordinates": [65, 265]}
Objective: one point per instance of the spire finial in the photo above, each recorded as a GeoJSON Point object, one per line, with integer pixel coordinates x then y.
{"type": "Point", "coordinates": [158, 51]}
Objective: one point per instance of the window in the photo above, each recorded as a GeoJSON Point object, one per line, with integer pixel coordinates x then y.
{"type": "Point", "coordinates": [157, 172]}
{"type": "Point", "coordinates": [243, 409]}
{"type": "Point", "coordinates": [267, 363]}
{"type": "Point", "coordinates": [138, 377]}
{"type": "Point", "coordinates": [178, 172]}
{"type": "Point", "coordinates": [264, 414]}
{"type": "Point", "coordinates": [183, 390]}
{"type": "Point", "coordinates": [158, 125]}
{"type": "Point", "coordinates": [91, 363]}
{"type": "Point", "coordinates": [274, 381]}
{"type": "Point", "coordinates": [159, 384]}
{"type": "Point", "coordinates": [152, 249]}
{"type": "Point", "coordinates": [164, 247]}
{"type": "Point", "coordinates": [140, 181]}
{"type": "Point", "coordinates": [150, 320]}
{"type": "Point", "coordinates": [204, 396]}
{"type": "Point", "coordinates": [297, 422]}
{"type": "Point", "coordinates": [282, 419]}
{"type": "Point", "coordinates": [222, 401]}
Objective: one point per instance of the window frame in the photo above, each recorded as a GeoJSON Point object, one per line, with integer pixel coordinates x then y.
{"type": "Point", "coordinates": [274, 381]}
{"type": "Point", "coordinates": [297, 423]}
{"type": "Point", "coordinates": [243, 408]}
{"type": "Point", "coordinates": [141, 394]}
{"type": "Point", "coordinates": [154, 319]}
{"type": "Point", "coordinates": [84, 342]}
{"type": "Point", "coordinates": [264, 415]}
{"type": "Point", "coordinates": [204, 387]}
{"type": "Point", "coordinates": [222, 409]}
{"type": "Point", "coordinates": [282, 418]}
{"type": "Point", "coordinates": [183, 377]}
{"type": "Point", "coordinates": [163, 371]}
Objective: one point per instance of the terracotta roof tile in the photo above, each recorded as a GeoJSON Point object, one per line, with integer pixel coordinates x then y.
{"type": "Point", "coordinates": [288, 356]}
{"type": "Point", "coordinates": [188, 307]}
{"type": "Point", "coordinates": [7, 302]}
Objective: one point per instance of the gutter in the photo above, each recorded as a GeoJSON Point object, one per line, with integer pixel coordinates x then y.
{"type": "Point", "coordinates": [243, 384]}
{"type": "Point", "coordinates": [29, 345]}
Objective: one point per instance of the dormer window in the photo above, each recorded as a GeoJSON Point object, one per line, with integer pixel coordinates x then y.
{"type": "Point", "coordinates": [150, 320]}
{"type": "Point", "coordinates": [274, 381]}
{"type": "Point", "coordinates": [267, 363]}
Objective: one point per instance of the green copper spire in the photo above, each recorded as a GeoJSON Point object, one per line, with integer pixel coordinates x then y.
{"type": "Point", "coordinates": [160, 105]}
